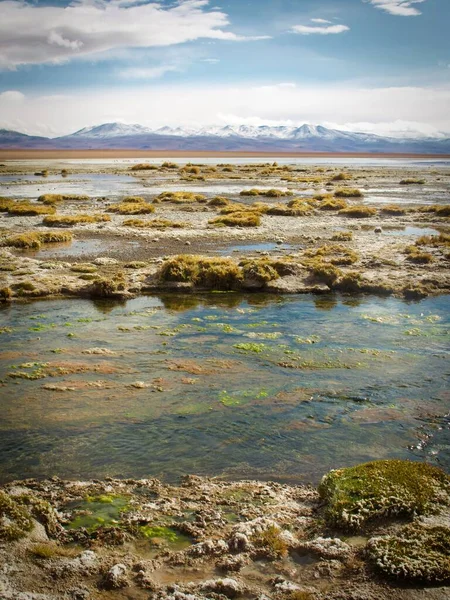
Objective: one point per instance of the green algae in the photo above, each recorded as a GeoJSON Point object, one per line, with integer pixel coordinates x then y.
{"type": "Point", "coordinates": [98, 511]}
{"type": "Point", "coordinates": [250, 347]}
{"type": "Point", "coordinates": [159, 535]}
{"type": "Point", "coordinates": [380, 489]}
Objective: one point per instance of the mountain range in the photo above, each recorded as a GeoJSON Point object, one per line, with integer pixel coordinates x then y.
{"type": "Point", "coordinates": [306, 138]}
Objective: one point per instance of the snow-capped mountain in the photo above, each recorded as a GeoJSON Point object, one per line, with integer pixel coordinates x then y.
{"type": "Point", "coordinates": [264, 138]}
{"type": "Point", "coordinates": [110, 130]}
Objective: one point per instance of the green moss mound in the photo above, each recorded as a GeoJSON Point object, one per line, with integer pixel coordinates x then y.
{"type": "Point", "coordinates": [383, 488]}
{"type": "Point", "coordinates": [415, 553]}
{"type": "Point", "coordinates": [15, 520]}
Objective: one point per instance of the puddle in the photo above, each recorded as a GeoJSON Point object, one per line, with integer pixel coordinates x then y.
{"type": "Point", "coordinates": [263, 247]}
{"type": "Point", "coordinates": [257, 386]}
{"type": "Point", "coordinates": [84, 247]}
{"type": "Point", "coordinates": [417, 231]}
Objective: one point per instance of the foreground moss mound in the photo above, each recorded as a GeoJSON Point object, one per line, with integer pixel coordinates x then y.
{"type": "Point", "coordinates": [383, 488]}
{"type": "Point", "coordinates": [15, 520]}
{"type": "Point", "coordinates": [415, 553]}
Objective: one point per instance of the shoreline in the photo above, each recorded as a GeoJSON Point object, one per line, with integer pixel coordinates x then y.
{"type": "Point", "coordinates": [208, 538]}
{"type": "Point", "coordinates": [25, 154]}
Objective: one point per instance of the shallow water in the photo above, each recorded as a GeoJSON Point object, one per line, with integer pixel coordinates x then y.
{"type": "Point", "coordinates": [77, 248]}
{"type": "Point", "coordinates": [272, 387]}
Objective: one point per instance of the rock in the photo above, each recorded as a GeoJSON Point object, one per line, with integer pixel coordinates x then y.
{"type": "Point", "coordinates": [79, 593]}
{"type": "Point", "coordinates": [327, 548]}
{"type": "Point", "coordinates": [378, 229]}
{"type": "Point", "coordinates": [104, 260]}
{"type": "Point", "coordinates": [228, 587]}
{"type": "Point", "coordinates": [100, 351]}
{"type": "Point", "coordinates": [239, 542]}
{"type": "Point", "coordinates": [116, 577]}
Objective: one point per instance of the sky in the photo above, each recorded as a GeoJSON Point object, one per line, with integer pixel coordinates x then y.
{"type": "Point", "coordinates": [381, 66]}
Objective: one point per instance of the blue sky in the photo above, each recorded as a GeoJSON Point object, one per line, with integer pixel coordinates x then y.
{"type": "Point", "coordinates": [373, 65]}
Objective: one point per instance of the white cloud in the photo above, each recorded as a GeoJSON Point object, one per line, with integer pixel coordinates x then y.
{"type": "Point", "coordinates": [325, 30]}
{"type": "Point", "coordinates": [323, 21]}
{"type": "Point", "coordinates": [33, 34]}
{"type": "Point", "coordinates": [402, 8]}
{"type": "Point", "coordinates": [11, 96]}
{"type": "Point", "coordinates": [368, 109]}
{"type": "Point", "coordinates": [146, 73]}
{"type": "Point", "coordinates": [212, 61]}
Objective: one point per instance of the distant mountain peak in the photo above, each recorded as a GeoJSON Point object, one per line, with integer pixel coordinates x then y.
{"type": "Point", "coordinates": [267, 138]}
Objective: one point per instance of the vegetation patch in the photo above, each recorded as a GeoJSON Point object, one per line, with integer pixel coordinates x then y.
{"type": "Point", "coordinates": [34, 239]}
{"type": "Point", "coordinates": [211, 273]}
{"type": "Point", "coordinates": [15, 520]}
{"type": "Point", "coordinates": [55, 198]}
{"type": "Point", "coordinates": [69, 220]}
{"type": "Point", "coordinates": [348, 193]}
{"type": "Point", "coordinates": [181, 197]}
{"type": "Point", "coordinates": [412, 181]}
{"type": "Point", "coordinates": [358, 212]}
{"type": "Point", "coordinates": [26, 209]}
{"type": "Point", "coordinates": [5, 204]}
{"type": "Point", "coordinates": [238, 219]}
{"type": "Point", "coordinates": [334, 254]}
{"type": "Point", "coordinates": [380, 489]}
{"type": "Point", "coordinates": [144, 167]}
{"type": "Point", "coordinates": [332, 204]}
{"type": "Point", "coordinates": [415, 255]}
{"type": "Point", "coordinates": [342, 236]}
{"type": "Point", "coordinates": [132, 208]}
{"type": "Point", "coordinates": [218, 201]}
{"type": "Point", "coordinates": [415, 553]}
{"type": "Point", "coordinates": [154, 224]}
{"type": "Point", "coordinates": [270, 543]}
{"type": "Point", "coordinates": [393, 209]}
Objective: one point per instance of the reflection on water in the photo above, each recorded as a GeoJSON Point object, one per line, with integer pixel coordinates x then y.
{"type": "Point", "coordinates": [256, 386]}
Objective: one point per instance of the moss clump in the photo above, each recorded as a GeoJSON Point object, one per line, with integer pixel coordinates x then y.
{"type": "Point", "coordinates": [55, 198]}
{"type": "Point", "coordinates": [262, 270]}
{"type": "Point", "coordinates": [83, 268]}
{"type": "Point", "coordinates": [334, 254]}
{"type": "Point", "coordinates": [181, 197]}
{"type": "Point", "coordinates": [238, 219]}
{"type": "Point", "coordinates": [393, 209]}
{"type": "Point", "coordinates": [412, 181]}
{"type": "Point", "coordinates": [358, 212]}
{"type": "Point", "coordinates": [34, 240]}
{"type": "Point", "coordinates": [332, 204]}
{"type": "Point", "coordinates": [211, 273]}
{"type": "Point", "coordinates": [415, 255]}
{"type": "Point", "coordinates": [296, 210]}
{"type": "Point", "coordinates": [105, 287]}
{"type": "Point", "coordinates": [169, 165]}
{"type": "Point", "coordinates": [5, 204]}
{"type": "Point", "coordinates": [5, 294]}
{"type": "Point", "coordinates": [51, 550]}
{"type": "Point", "coordinates": [218, 201]}
{"type": "Point", "coordinates": [342, 236]}
{"type": "Point", "coordinates": [348, 193]}
{"type": "Point", "coordinates": [15, 520]}
{"type": "Point", "coordinates": [26, 209]}
{"type": "Point", "coordinates": [270, 543]}
{"type": "Point", "coordinates": [154, 224]}
{"type": "Point", "coordinates": [382, 488]}
{"type": "Point", "coordinates": [68, 221]}
{"type": "Point", "coordinates": [341, 177]}
{"type": "Point", "coordinates": [132, 208]}
{"type": "Point", "coordinates": [144, 167]}
{"type": "Point", "coordinates": [323, 272]}
{"type": "Point", "coordinates": [415, 553]}
{"type": "Point", "coordinates": [434, 241]}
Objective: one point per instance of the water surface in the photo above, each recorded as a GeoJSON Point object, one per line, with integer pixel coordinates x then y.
{"type": "Point", "coordinates": [272, 387]}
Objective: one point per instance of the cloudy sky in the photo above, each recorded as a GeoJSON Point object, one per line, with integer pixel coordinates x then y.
{"type": "Point", "coordinates": [364, 65]}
